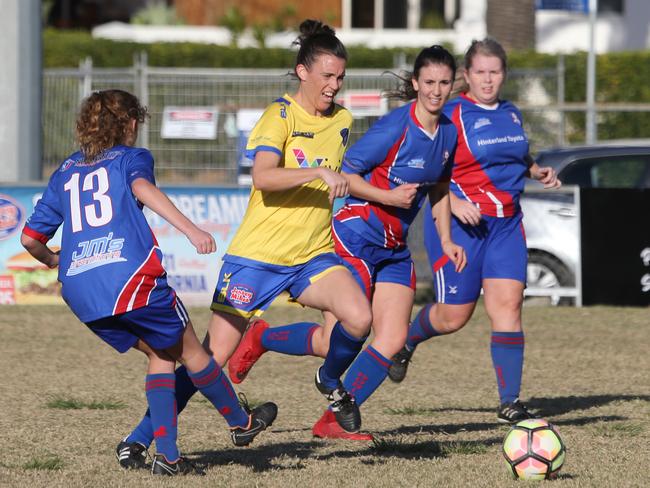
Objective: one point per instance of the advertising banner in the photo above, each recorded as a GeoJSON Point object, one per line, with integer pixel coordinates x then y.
{"type": "Point", "coordinates": [23, 280]}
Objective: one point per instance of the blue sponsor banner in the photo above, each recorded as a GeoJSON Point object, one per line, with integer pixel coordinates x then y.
{"type": "Point", "coordinates": [573, 5]}
{"type": "Point", "coordinates": [216, 210]}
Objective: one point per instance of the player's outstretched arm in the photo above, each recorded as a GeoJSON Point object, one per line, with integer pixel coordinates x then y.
{"type": "Point", "coordinates": [40, 251]}
{"type": "Point", "coordinates": [151, 196]}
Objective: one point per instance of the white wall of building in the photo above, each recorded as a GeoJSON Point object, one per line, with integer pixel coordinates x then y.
{"type": "Point", "coordinates": [556, 31]}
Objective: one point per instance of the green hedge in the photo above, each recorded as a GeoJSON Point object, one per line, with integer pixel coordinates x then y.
{"type": "Point", "coordinates": [621, 77]}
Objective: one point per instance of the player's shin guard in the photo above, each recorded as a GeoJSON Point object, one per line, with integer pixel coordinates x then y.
{"type": "Point", "coordinates": [507, 350]}
{"type": "Point", "coordinates": [214, 385]}
{"type": "Point", "coordinates": [421, 328]}
{"type": "Point", "coordinates": [162, 405]}
{"type": "Point", "coordinates": [185, 389]}
{"type": "Point", "coordinates": [294, 339]}
{"type": "Point", "coordinates": [367, 372]}
{"type": "Point", "coordinates": [342, 351]}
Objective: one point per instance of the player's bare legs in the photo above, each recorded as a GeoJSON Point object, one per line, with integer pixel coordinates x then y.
{"type": "Point", "coordinates": [224, 333]}
{"type": "Point", "coordinates": [339, 293]}
{"type": "Point", "coordinates": [503, 302]}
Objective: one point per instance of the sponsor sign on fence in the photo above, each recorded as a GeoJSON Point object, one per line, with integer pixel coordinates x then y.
{"type": "Point", "coordinates": [219, 211]}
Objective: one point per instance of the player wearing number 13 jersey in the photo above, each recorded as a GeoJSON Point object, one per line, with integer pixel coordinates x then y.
{"type": "Point", "coordinates": [109, 262]}
{"type": "Point", "coordinates": [113, 279]}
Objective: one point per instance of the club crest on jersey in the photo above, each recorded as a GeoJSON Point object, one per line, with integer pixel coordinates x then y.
{"type": "Point", "coordinates": [515, 119]}
{"type": "Point", "coordinates": [304, 162]}
{"type": "Point", "coordinates": [445, 157]}
{"type": "Point", "coordinates": [66, 165]}
{"type": "Point", "coordinates": [417, 163]}
{"type": "Point", "coordinates": [240, 295]}
{"type": "Point", "coordinates": [11, 216]}
{"type": "Point", "coordinates": [345, 134]}
{"type": "Point", "coordinates": [483, 121]}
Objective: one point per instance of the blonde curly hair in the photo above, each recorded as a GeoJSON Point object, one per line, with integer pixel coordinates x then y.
{"type": "Point", "coordinates": [105, 119]}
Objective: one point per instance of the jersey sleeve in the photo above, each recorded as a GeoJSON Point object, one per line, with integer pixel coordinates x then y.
{"type": "Point", "coordinates": [47, 215]}
{"type": "Point", "coordinates": [373, 147]}
{"type": "Point", "coordinates": [271, 131]}
{"type": "Point", "coordinates": [139, 165]}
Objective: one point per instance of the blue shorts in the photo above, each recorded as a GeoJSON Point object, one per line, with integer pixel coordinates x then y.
{"type": "Point", "coordinates": [496, 248]}
{"type": "Point", "coordinates": [370, 263]}
{"type": "Point", "coordinates": [160, 324]}
{"type": "Point", "coordinates": [247, 287]}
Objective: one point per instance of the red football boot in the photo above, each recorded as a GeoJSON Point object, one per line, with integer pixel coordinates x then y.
{"type": "Point", "coordinates": [250, 349]}
{"type": "Point", "coordinates": [328, 428]}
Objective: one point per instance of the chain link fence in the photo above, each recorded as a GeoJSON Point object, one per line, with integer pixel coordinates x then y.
{"type": "Point", "coordinates": [215, 161]}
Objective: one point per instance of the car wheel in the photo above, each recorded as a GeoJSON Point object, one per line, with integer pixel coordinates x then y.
{"type": "Point", "coordinates": [546, 271]}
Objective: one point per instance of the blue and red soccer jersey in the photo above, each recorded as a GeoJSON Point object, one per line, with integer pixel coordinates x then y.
{"type": "Point", "coordinates": [110, 262]}
{"type": "Point", "coordinates": [489, 167]}
{"type": "Point", "coordinates": [396, 150]}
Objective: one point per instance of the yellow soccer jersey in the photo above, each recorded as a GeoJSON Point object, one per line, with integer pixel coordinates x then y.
{"type": "Point", "coordinates": [290, 227]}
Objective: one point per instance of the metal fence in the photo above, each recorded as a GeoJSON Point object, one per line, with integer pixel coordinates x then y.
{"type": "Point", "coordinates": [229, 90]}
{"type": "Point", "coordinates": [540, 94]}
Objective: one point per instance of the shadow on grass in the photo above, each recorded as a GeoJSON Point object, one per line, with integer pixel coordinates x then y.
{"type": "Point", "coordinates": [548, 407]}
{"type": "Point", "coordinates": [290, 455]}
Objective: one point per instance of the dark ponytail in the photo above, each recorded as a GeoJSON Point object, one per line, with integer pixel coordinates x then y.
{"type": "Point", "coordinates": [315, 39]}
{"type": "Point", "coordinates": [431, 55]}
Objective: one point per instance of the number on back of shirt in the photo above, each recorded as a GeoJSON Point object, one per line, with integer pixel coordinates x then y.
{"type": "Point", "coordinates": [97, 183]}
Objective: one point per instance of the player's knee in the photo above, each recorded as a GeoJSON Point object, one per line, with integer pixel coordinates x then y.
{"type": "Point", "coordinates": [358, 320]}
{"type": "Point", "coordinates": [450, 322]}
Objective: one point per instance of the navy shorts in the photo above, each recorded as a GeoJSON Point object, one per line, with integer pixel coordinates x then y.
{"type": "Point", "coordinates": [160, 324]}
{"type": "Point", "coordinates": [370, 263]}
{"type": "Point", "coordinates": [247, 287]}
{"type": "Point", "coordinates": [496, 248]}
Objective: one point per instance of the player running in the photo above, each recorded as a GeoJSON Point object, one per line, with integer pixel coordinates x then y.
{"type": "Point", "coordinates": [113, 279]}
{"type": "Point", "coordinates": [284, 242]}
{"type": "Point", "coordinates": [491, 163]}
{"type": "Point", "coordinates": [403, 158]}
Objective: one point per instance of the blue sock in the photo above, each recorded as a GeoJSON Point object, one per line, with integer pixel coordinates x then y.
{"type": "Point", "coordinates": [367, 372]}
{"type": "Point", "coordinates": [214, 385]}
{"type": "Point", "coordinates": [143, 433]}
{"type": "Point", "coordinates": [292, 339]}
{"type": "Point", "coordinates": [342, 351]}
{"type": "Point", "coordinates": [421, 328]}
{"type": "Point", "coordinates": [508, 359]}
{"type": "Point", "coordinates": [162, 404]}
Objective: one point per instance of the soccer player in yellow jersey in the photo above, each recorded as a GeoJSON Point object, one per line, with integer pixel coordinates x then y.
{"type": "Point", "coordinates": [285, 241]}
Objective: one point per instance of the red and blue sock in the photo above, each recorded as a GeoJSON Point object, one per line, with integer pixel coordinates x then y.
{"type": "Point", "coordinates": [162, 405]}
{"type": "Point", "coordinates": [367, 372]}
{"type": "Point", "coordinates": [421, 328]}
{"type": "Point", "coordinates": [214, 385]}
{"type": "Point", "coordinates": [507, 350]}
{"type": "Point", "coordinates": [294, 339]}
{"type": "Point", "coordinates": [342, 351]}
{"type": "Point", "coordinates": [143, 433]}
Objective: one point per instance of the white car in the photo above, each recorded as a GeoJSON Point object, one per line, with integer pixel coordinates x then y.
{"type": "Point", "coordinates": [551, 216]}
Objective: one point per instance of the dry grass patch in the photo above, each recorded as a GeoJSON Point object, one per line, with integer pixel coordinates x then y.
{"type": "Point", "coordinates": [585, 371]}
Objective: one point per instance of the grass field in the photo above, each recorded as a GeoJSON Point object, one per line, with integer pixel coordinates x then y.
{"type": "Point", "coordinates": [68, 399]}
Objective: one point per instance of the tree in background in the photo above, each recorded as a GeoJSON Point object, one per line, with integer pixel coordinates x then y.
{"type": "Point", "coordinates": [512, 23]}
